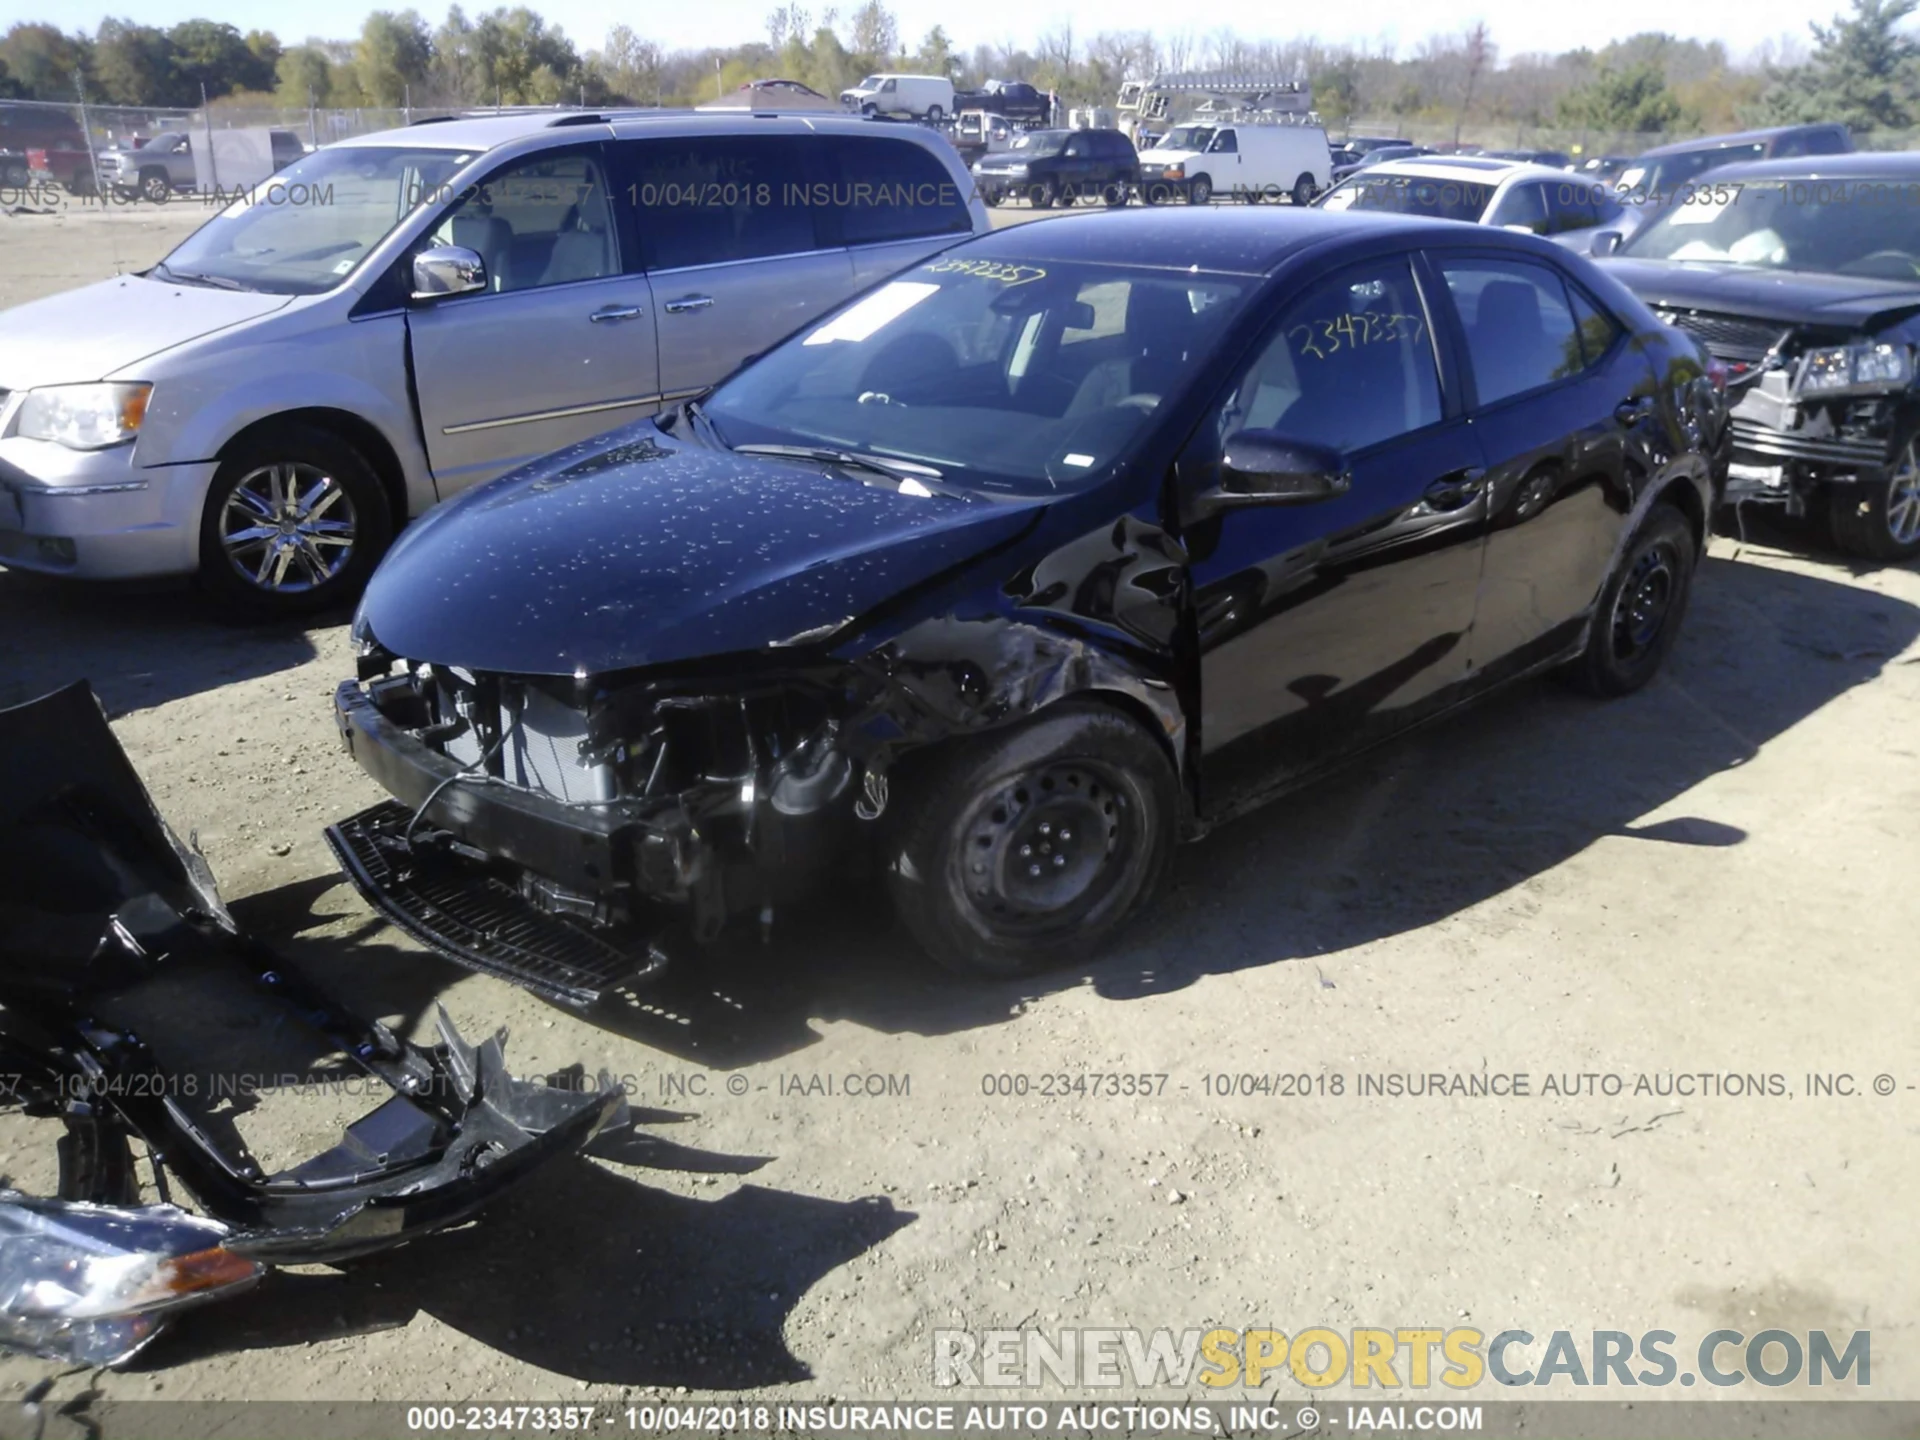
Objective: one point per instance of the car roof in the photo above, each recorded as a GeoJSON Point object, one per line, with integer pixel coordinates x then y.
{"type": "Point", "coordinates": [1240, 240]}
{"type": "Point", "coordinates": [490, 131]}
{"type": "Point", "coordinates": [1463, 167]}
{"type": "Point", "coordinates": [1900, 165]}
{"type": "Point", "coordinates": [1741, 137]}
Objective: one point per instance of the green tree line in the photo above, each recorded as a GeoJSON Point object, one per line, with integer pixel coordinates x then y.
{"type": "Point", "coordinates": [1863, 67]}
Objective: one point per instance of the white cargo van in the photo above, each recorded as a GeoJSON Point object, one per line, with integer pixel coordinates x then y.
{"type": "Point", "coordinates": [1245, 161]}
{"type": "Point", "coordinates": [919, 97]}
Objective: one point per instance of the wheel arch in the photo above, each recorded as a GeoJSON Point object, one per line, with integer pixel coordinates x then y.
{"type": "Point", "coordinates": [361, 434]}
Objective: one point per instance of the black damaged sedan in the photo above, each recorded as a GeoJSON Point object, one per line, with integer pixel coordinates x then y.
{"type": "Point", "coordinates": [1074, 541]}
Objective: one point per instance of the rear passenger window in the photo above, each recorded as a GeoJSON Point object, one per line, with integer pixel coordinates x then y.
{"type": "Point", "coordinates": [1570, 207]}
{"type": "Point", "coordinates": [708, 200]}
{"type": "Point", "coordinates": [1519, 325]}
{"type": "Point", "coordinates": [1598, 330]}
{"type": "Point", "coordinates": [886, 189]}
{"type": "Point", "coordinates": [544, 220]}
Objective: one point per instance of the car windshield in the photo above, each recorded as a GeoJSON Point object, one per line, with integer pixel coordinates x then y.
{"type": "Point", "coordinates": [1001, 375]}
{"type": "Point", "coordinates": [1834, 227]}
{"type": "Point", "coordinates": [1041, 142]}
{"type": "Point", "coordinates": [872, 82]}
{"type": "Point", "coordinates": [1186, 137]}
{"type": "Point", "coordinates": [304, 231]}
{"type": "Point", "coordinates": [1412, 195]}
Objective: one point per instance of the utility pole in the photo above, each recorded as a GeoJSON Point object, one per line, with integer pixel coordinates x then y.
{"type": "Point", "coordinates": [213, 168]}
{"type": "Point", "coordinates": [86, 133]}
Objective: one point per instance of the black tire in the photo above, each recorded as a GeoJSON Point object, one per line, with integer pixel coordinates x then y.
{"type": "Point", "coordinates": [1303, 190]}
{"type": "Point", "coordinates": [155, 186]}
{"type": "Point", "coordinates": [304, 562]}
{"type": "Point", "coordinates": [1035, 795]}
{"type": "Point", "coordinates": [1043, 195]}
{"type": "Point", "coordinates": [1880, 519]}
{"type": "Point", "coordinates": [1116, 195]}
{"type": "Point", "coordinates": [935, 114]}
{"type": "Point", "coordinates": [1200, 190]}
{"type": "Point", "coordinates": [1640, 610]}
{"type": "Point", "coordinates": [994, 197]}
{"type": "Point", "coordinates": [14, 175]}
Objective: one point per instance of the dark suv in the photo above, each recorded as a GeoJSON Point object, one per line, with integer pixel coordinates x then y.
{"type": "Point", "coordinates": [1659, 172]}
{"type": "Point", "coordinates": [1049, 167]}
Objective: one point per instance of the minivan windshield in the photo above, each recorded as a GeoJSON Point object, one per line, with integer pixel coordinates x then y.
{"type": "Point", "coordinates": [304, 230]}
{"type": "Point", "coordinates": [995, 375]}
{"type": "Point", "coordinates": [1834, 227]}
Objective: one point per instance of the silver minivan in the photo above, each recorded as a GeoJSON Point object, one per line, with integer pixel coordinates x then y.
{"type": "Point", "coordinates": [393, 319]}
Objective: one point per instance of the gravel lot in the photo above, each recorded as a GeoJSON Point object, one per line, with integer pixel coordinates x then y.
{"type": "Point", "coordinates": [1717, 875]}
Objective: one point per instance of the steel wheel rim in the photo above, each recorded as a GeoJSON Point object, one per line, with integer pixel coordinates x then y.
{"type": "Point", "coordinates": [1046, 848]}
{"type": "Point", "coordinates": [1903, 499]}
{"type": "Point", "coordinates": [1645, 601]}
{"type": "Point", "coordinates": [288, 528]}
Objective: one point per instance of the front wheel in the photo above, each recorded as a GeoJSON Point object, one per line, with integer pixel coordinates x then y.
{"type": "Point", "coordinates": [935, 114]}
{"type": "Point", "coordinates": [1880, 519]}
{"type": "Point", "coordinates": [1639, 614]}
{"type": "Point", "coordinates": [155, 186]}
{"type": "Point", "coordinates": [1199, 190]}
{"type": "Point", "coordinates": [1044, 195]}
{"type": "Point", "coordinates": [1115, 195]}
{"type": "Point", "coordinates": [294, 522]}
{"type": "Point", "coordinates": [1029, 847]}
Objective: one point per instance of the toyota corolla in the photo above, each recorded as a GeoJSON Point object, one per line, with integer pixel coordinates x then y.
{"type": "Point", "coordinates": [1068, 543]}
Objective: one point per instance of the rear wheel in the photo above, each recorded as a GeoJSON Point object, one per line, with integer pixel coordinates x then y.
{"type": "Point", "coordinates": [14, 174]}
{"type": "Point", "coordinates": [1880, 519]}
{"type": "Point", "coordinates": [1027, 848]}
{"type": "Point", "coordinates": [1640, 611]}
{"type": "Point", "coordinates": [1303, 190]}
{"type": "Point", "coordinates": [935, 114]}
{"type": "Point", "coordinates": [294, 522]}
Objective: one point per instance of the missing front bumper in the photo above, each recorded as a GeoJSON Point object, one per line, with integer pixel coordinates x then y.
{"type": "Point", "coordinates": [476, 918]}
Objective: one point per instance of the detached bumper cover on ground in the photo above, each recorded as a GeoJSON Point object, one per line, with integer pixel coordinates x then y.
{"type": "Point", "coordinates": [97, 901]}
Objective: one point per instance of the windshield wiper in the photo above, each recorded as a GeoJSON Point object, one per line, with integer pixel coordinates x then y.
{"type": "Point", "coordinates": [902, 470]}
{"type": "Point", "coordinates": [189, 277]}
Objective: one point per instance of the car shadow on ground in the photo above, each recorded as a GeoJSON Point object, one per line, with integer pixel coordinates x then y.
{"type": "Point", "coordinates": [583, 1273]}
{"type": "Point", "coordinates": [1423, 828]}
{"type": "Point", "coordinates": [144, 643]}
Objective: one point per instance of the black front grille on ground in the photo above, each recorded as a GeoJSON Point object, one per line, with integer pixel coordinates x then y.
{"type": "Point", "coordinates": [1728, 337]}
{"type": "Point", "coordinates": [477, 919]}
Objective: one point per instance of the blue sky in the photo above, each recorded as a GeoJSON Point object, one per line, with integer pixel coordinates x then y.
{"type": "Point", "coordinates": [1518, 25]}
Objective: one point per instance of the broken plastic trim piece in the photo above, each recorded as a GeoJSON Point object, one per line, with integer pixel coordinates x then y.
{"type": "Point", "coordinates": [97, 899]}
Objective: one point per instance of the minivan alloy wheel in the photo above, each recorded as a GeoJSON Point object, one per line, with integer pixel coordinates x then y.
{"type": "Point", "coordinates": [288, 527]}
{"type": "Point", "coordinates": [1903, 498]}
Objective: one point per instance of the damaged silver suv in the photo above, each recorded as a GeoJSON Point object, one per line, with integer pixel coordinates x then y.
{"type": "Point", "coordinates": [1802, 277]}
{"type": "Point", "coordinates": [1059, 546]}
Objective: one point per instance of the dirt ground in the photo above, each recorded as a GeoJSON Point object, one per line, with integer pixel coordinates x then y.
{"type": "Point", "coordinates": [1717, 875]}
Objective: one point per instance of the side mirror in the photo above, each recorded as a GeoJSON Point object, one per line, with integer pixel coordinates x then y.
{"type": "Point", "coordinates": [444, 270]}
{"type": "Point", "coordinates": [1264, 467]}
{"type": "Point", "coordinates": [1605, 243]}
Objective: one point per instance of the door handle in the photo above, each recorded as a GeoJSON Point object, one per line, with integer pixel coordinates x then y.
{"type": "Point", "coordinates": [688, 302]}
{"type": "Point", "coordinates": [1450, 492]}
{"type": "Point", "coordinates": [614, 312]}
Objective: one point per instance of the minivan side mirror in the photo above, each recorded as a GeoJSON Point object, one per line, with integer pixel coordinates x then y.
{"type": "Point", "coordinates": [1264, 467]}
{"type": "Point", "coordinates": [1605, 243]}
{"type": "Point", "coordinates": [443, 270]}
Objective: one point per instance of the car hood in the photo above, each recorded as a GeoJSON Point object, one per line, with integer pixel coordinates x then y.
{"type": "Point", "coordinates": [95, 331]}
{"type": "Point", "coordinates": [1793, 297]}
{"type": "Point", "coordinates": [1168, 157]}
{"type": "Point", "coordinates": [636, 550]}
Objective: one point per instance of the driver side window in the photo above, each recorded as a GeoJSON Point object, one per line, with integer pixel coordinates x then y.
{"type": "Point", "coordinates": [1350, 364]}
{"type": "Point", "coordinates": [544, 220]}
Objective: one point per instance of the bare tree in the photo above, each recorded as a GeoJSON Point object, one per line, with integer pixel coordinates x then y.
{"type": "Point", "coordinates": [1477, 59]}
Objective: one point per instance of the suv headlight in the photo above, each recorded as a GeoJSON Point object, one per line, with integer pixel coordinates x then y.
{"type": "Point", "coordinates": [1856, 367]}
{"type": "Point", "coordinates": [84, 417]}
